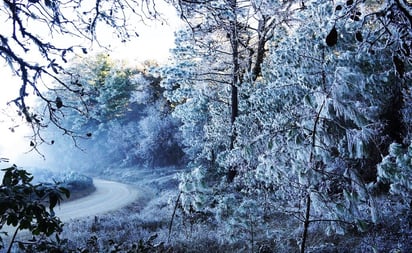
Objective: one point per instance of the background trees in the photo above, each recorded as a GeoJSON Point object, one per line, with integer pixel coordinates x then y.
{"type": "Point", "coordinates": [38, 38]}
{"type": "Point", "coordinates": [122, 115]}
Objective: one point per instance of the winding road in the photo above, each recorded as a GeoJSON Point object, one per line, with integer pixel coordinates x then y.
{"type": "Point", "coordinates": [107, 197]}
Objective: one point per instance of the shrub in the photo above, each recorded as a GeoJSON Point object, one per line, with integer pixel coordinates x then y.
{"type": "Point", "coordinates": [23, 206]}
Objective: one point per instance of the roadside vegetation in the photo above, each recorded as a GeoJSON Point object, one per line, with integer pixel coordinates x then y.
{"type": "Point", "coordinates": [277, 126]}
{"type": "Point", "coordinates": [28, 206]}
{"type": "Point", "coordinates": [77, 184]}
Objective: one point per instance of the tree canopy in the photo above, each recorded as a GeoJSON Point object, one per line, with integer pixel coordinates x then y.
{"type": "Point", "coordinates": [122, 117]}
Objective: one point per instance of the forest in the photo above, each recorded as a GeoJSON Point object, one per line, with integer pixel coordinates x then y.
{"type": "Point", "coordinates": [275, 126]}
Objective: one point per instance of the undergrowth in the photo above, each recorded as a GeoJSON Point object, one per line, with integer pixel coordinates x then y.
{"type": "Point", "coordinates": [149, 218]}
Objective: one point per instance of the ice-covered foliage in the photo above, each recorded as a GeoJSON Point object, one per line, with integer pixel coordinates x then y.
{"type": "Point", "coordinates": [312, 126]}
{"type": "Point", "coordinates": [196, 97]}
{"type": "Point", "coordinates": [222, 46]}
{"type": "Point", "coordinates": [200, 102]}
{"type": "Point", "coordinates": [124, 119]}
{"type": "Point", "coordinates": [316, 122]}
{"type": "Point", "coordinates": [159, 137]}
{"type": "Point", "coordinates": [396, 170]}
{"type": "Point", "coordinates": [141, 95]}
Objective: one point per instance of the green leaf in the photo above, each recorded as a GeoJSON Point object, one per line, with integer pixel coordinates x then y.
{"type": "Point", "coordinates": [53, 200]}
{"type": "Point", "coordinates": [21, 245]}
{"type": "Point", "coordinates": [4, 205]}
{"type": "Point", "coordinates": [362, 225]}
{"type": "Point", "coordinates": [7, 178]}
{"type": "Point", "coordinates": [270, 144]}
{"type": "Point", "coordinates": [299, 139]}
{"type": "Point", "coordinates": [12, 220]}
{"type": "Point", "coordinates": [340, 208]}
{"type": "Point", "coordinates": [307, 99]}
{"type": "Point", "coordinates": [65, 191]}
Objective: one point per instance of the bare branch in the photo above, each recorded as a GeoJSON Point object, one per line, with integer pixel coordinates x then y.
{"type": "Point", "coordinates": [28, 44]}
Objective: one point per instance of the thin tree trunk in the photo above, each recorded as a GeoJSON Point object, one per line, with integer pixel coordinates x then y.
{"type": "Point", "coordinates": [173, 215]}
{"type": "Point", "coordinates": [306, 224]}
{"type": "Point", "coordinates": [257, 68]}
{"type": "Point", "coordinates": [234, 114]}
{"type": "Point", "coordinates": [234, 40]}
{"type": "Point", "coordinates": [13, 239]}
{"type": "Point", "coordinates": [311, 161]}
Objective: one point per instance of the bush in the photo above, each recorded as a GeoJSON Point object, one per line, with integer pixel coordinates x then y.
{"type": "Point", "coordinates": [77, 182]}
{"type": "Point", "coordinates": [23, 206]}
{"type": "Point", "coordinates": [73, 181]}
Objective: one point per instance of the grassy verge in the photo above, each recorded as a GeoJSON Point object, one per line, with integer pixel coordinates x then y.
{"type": "Point", "coordinates": [202, 232]}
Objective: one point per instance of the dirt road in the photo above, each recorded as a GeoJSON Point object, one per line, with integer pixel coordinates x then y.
{"type": "Point", "coordinates": [107, 197]}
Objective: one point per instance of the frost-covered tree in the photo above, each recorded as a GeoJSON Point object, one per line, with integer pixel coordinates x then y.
{"type": "Point", "coordinates": [103, 91]}
{"type": "Point", "coordinates": [223, 47]}
{"type": "Point", "coordinates": [392, 24]}
{"type": "Point", "coordinates": [38, 39]}
{"type": "Point", "coordinates": [395, 169]}
{"type": "Point", "coordinates": [310, 129]}
{"type": "Point", "coordinates": [189, 95]}
{"type": "Point", "coordinates": [321, 118]}
{"type": "Point", "coordinates": [122, 118]}
{"type": "Point", "coordinates": [221, 50]}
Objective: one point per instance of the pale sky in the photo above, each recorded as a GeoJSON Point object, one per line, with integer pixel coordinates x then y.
{"type": "Point", "coordinates": [154, 41]}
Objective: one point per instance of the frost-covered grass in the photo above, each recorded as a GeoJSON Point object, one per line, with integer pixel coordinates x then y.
{"type": "Point", "coordinates": [201, 232]}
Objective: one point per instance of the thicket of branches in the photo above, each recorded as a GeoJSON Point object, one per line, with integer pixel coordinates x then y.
{"type": "Point", "coordinates": [38, 38]}
{"type": "Point", "coordinates": [297, 109]}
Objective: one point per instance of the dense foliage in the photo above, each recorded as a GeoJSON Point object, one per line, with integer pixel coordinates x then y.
{"type": "Point", "coordinates": [312, 125]}
{"type": "Point", "coordinates": [122, 115]}
{"type": "Point", "coordinates": [288, 112]}
{"type": "Point", "coordinates": [27, 206]}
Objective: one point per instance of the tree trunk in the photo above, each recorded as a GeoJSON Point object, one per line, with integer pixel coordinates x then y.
{"type": "Point", "coordinates": [305, 225]}
{"type": "Point", "coordinates": [234, 41]}
{"type": "Point", "coordinates": [257, 68]}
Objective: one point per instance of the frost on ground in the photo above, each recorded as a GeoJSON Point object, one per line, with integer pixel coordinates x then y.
{"type": "Point", "coordinates": [152, 212]}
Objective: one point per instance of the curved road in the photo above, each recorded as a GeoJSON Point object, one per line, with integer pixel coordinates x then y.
{"type": "Point", "coordinates": [108, 196]}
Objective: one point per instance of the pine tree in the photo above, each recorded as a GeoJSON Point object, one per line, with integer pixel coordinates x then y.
{"type": "Point", "coordinates": [316, 125]}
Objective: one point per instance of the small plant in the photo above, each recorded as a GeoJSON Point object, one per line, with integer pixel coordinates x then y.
{"type": "Point", "coordinates": [143, 246]}
{"type": "Point", "coordinates": [23, 206]}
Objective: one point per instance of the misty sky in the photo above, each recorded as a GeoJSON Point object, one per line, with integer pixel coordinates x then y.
{"type": "Point", "coordinates": [154, 41]}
